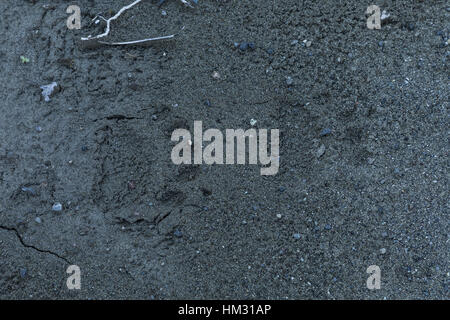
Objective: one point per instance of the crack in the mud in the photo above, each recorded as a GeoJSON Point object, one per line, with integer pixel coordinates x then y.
{"type": "Point", "coordinates": [31, 246]}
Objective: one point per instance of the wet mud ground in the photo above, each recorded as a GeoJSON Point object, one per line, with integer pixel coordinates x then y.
{"type": "Point", "coordinates": [363, 179]}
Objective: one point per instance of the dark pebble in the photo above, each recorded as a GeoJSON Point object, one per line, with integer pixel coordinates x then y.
{"type": "Point", "coordinates": [247, 45]}
{"type": "Point", "coordinates": [178, 234]}
{"type": "Point", "coordinates": [325, 132]}
{"type": "Point", "coordinates": [84, 148]}
{"type": "Point", "coordinates": [131, 185]}
{"type": "Point", "coordinates": [23, 272]}
{"type": "Point", "coordinates": [243, 46]}
{"type": "Point", "coordinates": [411, 26]}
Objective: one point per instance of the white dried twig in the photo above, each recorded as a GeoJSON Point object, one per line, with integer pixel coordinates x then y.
{"type": "Point", "coordinates": [137, 41]}
{"type": "Point", "coordinates": [108, 21]}
{"type": "Point", "coordinates": [108, 28]}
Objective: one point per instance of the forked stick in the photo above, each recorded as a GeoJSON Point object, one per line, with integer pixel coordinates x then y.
{"type": "Point", "coordinates": [117, 15]}
{"type": "Point", "coordinates": [108, 21]}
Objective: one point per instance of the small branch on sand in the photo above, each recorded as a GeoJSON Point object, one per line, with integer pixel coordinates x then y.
{"type": "Point", "coordinates": [95, 39]}
{"type": "Point", "coordinates": [142, 41]}
{"type": "Point", "coordinates": [108, 21]}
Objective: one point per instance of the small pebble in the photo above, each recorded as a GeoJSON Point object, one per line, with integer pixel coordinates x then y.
{"type": "Point", "coordinates": [28, 190]}
{"type": "Point", "coordinates": [297, 236]}
{"type": "Point", "coordinates": [289, 81]}
{"type": "Point", "coordinates": [325, 132]}
{"type": "Point", "coordinates": [216, 75]}
{"type": "Point", "coordinates": [57, 207]}
{"type": "Point", "coordinates": [246, 45]}
{"type": "Point", "coordinates": [178, 234]}
{"type": "Point", "coordinates": [38, 220]}
{"type": "Point", "coordinates": [279, 216]}
{"type": "Point", "coordinates": [385, 15]}
{"type": "Point", "coordinates": [320, 152]}
{"type": "Point", "coordinates": [243, 46]}
{"type": "Point", "coordinates": [411, 26]}
{"type": "Point", "coordinates": [383, 250]}
{"type": "Point", "coordinates": [253, 122]}
{"type": "Point", "coordinates": [23, 272]}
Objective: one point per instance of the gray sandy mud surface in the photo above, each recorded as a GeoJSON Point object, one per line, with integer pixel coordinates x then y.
{"type": "Point", "coordinates": [363, 179]}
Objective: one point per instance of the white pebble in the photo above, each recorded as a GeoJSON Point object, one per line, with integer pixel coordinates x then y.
{"type": "Point", "coordinates": [57, 207]}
